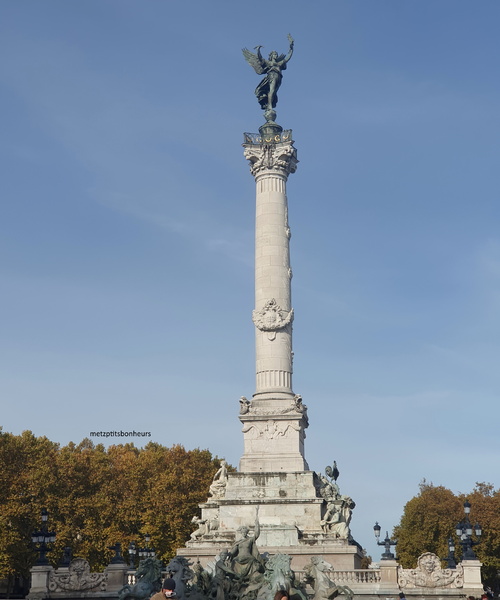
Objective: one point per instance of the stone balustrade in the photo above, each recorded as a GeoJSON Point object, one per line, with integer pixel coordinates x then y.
{"type": "Point", "coordinates": [132, 579]}
{"type": "Point", "coordinates": [359, 576]}
{"type": "Point", "coordinates": [349, 578]}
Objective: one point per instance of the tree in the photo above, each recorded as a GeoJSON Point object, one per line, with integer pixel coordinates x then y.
{"type": "Point", "coordinates": [96, 497]}
{"type": "Point", "coordinates": [485, 509]}
{"type": "Point", "coordinates": [430, 518]}
{"type": "Point", "coordinates": [428, 521]}
{"type": "Point", "coordinates": [84, 505]}
{"type": "Point", "coordinates": [176, 481]}
{"type": "Point", "coordinates": [27, 476]}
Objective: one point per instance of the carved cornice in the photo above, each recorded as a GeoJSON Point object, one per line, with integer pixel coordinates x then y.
{"type": "Point", "coordinates": [262, 412]}
{"type": "Point", "coordinates": [280, 158]}
{"type": "Point", "coordinates": [296, 407]}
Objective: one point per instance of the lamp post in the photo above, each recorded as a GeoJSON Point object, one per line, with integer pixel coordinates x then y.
{"type": "Point", "coordinates": [450, 559]}
{"type": "Point", "coordinates": [146, 552]}
{"type": "Point", "coordinates": [41, 538]}
{"type": "Point", "coordinates": [131, 554]}
{"type": "Point", "coordinates": [387, 543]}
{"type": "Point", "coordinates": [464, 533]}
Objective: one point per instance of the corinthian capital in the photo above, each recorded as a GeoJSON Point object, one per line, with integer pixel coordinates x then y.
{"type": "Point", "coordinates": [279, 158]}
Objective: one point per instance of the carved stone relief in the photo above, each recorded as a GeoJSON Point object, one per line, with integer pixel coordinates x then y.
{"type": "Point", "coordinates": [429, 574]}
{"type": "Point", "coordinates": [272, 318]}
{"type": "Point", "coordinates": [269, 430]}
{"type": "Point", "coordinates": [78, 578]}
{"type": "Point", "coordinates": [252, 430]}
{"type": "Point", "coordinates": [273, 430]}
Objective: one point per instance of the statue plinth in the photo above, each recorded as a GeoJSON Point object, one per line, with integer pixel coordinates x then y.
{"type": "Point", "coordinates": [270, 130]}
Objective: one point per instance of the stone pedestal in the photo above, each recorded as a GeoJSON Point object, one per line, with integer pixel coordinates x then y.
{"type": "Point", "coordinates": [116, 576]}
{"type": "Point", "coordinates": [40, 581]}
{"type": "Point", "coordinates": [472, 577]}
{"type": "Point", "coordinates": [290, 514]}
{"type": "Point", "coordinates": [389, 572]}
{"type": "Point", "coordinates": [273, 436]}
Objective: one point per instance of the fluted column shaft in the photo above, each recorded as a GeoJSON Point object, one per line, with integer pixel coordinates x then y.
{"type": "Point", "coordinates": [271, 165]}
{"type": "Point", "coordinates": [275, 420]}
{"type": "Point", "coordinates": [273, 311]}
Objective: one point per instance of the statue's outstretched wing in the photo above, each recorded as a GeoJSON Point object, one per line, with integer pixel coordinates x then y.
{"type": "Point", "coordinates": [281, 57]}
{"type": "Point", "coordinates": [253, 59]}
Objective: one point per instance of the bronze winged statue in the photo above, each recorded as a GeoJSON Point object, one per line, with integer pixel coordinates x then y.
{"type": "Point", "coordinates": [333, 472]}
{"type": "Point", "coordinates": [272, 68]}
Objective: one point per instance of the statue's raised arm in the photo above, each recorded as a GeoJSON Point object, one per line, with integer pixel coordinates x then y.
{"type": "Point", "coordinates": [267, 90]}
{"type": "Point", "coordinates": [290, 52]}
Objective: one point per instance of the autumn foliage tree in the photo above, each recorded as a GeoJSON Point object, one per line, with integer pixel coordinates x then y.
{"type": "Point", "coordinates": [485, 509]}
{"type": "Point", "coordinates": [426, 524]}
{"type": "Point", "coordinates": [430, 518]}
{"type": "Point", "coordinates": [96, 496]}
{"type": "Point", "coordinates": [27, 477]}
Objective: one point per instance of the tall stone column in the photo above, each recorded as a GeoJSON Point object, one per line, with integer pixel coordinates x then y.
{"type": "Point", "coordinates": [275, 419]}
{"type": "Point", "coordinates": [300, 513]}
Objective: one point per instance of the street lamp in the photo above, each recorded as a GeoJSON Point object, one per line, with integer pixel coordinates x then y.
{"type": "Point", "coordinates": [131, 554]}
{"type": "Point", "coordinates": [450, 559]}
{"type": "Point", "coordinates": [464, 533]}
{"type": "Point", "coordinates": [387, 543]}
{"type": "Point", "coordinates": [41, 538]}
{"type": "Point", "coordinates": [146, 552]}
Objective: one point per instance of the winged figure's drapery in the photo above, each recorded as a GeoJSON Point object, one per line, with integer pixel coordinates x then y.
{"type": "Point", "coordinates": [267, 90]}
{"type": "Point", "coordinates": [272, 68]}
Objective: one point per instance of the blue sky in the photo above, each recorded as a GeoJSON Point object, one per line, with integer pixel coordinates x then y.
{"type": "Point", "coordinates": [127, 229]}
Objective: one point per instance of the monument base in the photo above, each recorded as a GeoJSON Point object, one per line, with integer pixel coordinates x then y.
{"type": "Point", "coordinates": [341, 555]}
{"type": "Point", "coordinates": [290, 513]}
